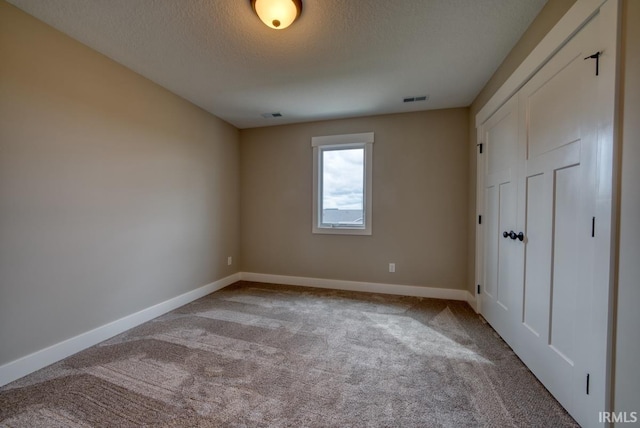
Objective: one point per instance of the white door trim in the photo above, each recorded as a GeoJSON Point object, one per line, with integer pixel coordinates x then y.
{"type": "Point", "coordinates": [479, 268]}
{"type": "Point", "coordinates": [606, 199]}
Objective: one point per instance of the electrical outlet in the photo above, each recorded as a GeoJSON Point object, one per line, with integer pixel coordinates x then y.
{"type": "Point", "coordinates": [392, 267]}
{"type": "Point", "coordinates": [229, 261]}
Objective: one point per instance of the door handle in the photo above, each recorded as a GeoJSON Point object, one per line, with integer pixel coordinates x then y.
{"type": "Point", "coordinates": [513, 235]}
{"type": "Point", "coordinates": [519, 236]}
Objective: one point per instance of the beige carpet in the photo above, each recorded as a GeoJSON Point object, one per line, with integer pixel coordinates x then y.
{"type": "Point", "coordinates": [257, 355]}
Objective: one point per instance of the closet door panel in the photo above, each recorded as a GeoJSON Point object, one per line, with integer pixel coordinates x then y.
{"type": "Point", "coordinates": [500, 140]}
{"type": "Point", "coordinates": [564, 287]}
{"type": "Point", "coordinates": [555, 110]}
{"type": "Point", "coordinates": [492, 241]}
{"type": "Point", "coordinates": [535, 316]}
{"type": "Point", "coordinates": [556, 195]}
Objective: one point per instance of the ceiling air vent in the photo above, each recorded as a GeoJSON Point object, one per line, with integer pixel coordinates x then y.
{"type": "Point", "coordinates": [414, 99]}
{"type": "Point", "coordinates": [270, 115]}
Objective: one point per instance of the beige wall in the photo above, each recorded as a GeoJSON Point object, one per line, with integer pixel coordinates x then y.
{"type": "Point", "coordinates": [627, 375]}
{"type": "Point", "coordinates": [546, 19]}
{"type": "Point", "coordinates": [420, 201]}
{"type": "Point", "coordinates": [114, 193]}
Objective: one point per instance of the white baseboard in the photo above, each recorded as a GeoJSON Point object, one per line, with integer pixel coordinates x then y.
{"type": "Point", "coordinates": [39, 359]}
{"type": "Point", "coordinates": [369, 287]}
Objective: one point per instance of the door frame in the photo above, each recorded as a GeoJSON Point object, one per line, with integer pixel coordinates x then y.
{"type": "Point", "coordinates": [479, 251]}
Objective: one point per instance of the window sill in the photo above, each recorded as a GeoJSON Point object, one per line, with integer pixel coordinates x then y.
{"type": "Point", "coordinates": [342, 230]}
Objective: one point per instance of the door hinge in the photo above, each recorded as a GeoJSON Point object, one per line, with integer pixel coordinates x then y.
{"type": "Point", "coordinates": [593, 227]}
{"type": "Point", "coordinates": [478, 288]}
{"type": "Point", "coordinates": [588, 376]}
{"type": "Point", "coordinates": [480, 146]}
{"type": "Point", "coordinates": [479, 219]}
{"type": "Point", "coordinates": [596, 56]}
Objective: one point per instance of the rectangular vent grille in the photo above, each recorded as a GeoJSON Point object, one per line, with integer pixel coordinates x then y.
{"type": "Point", "coordinates": [270, 115]}
{"type": "Point", "coordinates": [414, 99]}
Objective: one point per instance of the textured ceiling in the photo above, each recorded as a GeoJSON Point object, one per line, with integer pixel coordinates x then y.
{"type": "Point", "coordinates": [342, 58]}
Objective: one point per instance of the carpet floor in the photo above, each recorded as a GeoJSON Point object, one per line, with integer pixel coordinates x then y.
{"type": "Point", "coordinates": [259, 355]}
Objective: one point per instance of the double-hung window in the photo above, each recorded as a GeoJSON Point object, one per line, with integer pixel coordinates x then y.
{"type": "Point", "coordinates": [342, 183]}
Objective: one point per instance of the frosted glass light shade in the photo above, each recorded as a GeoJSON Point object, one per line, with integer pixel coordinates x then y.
{"type": "Point", "coordinates": [277, 14]}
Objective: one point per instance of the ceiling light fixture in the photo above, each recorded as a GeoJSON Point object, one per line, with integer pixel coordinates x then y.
{"type": "Point", "coordinates": [277, 14]}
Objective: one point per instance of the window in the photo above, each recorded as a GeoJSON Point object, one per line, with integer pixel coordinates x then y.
{"type": "Point", "coordinates": [342, 184]}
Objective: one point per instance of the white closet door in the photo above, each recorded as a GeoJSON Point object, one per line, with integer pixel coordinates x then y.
{"type": "Point", "coordinates": [556, 203]}
{"type": "Point", "coordinates": [544, 175]}
{"type": "Point", "coordinates": [500, 149]}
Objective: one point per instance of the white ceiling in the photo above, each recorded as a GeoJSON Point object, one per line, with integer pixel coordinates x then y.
{"type": "Point", "coordinates": [342, 58]}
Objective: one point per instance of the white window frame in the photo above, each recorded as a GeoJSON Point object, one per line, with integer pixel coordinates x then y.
{"type": "Point", "coordinates": [346, 141]}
